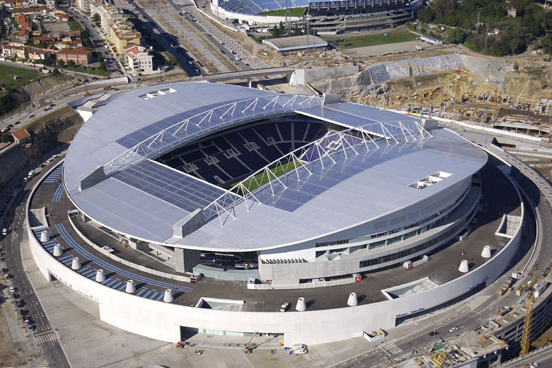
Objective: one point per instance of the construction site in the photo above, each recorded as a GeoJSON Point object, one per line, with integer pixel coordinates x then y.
{"type": "Point", "coordinates": [446, 80]}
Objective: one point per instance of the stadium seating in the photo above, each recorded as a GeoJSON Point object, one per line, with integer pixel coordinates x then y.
{"type": "Point", "coordinates": [227, 158]}
{"type": "Point", "coordinates": [256, 7]}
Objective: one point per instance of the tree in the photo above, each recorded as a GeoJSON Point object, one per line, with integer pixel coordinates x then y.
{"type": "Point", "coordinates": [97, 19]}
{"type": "Point", "coordinates": [548, 21]}
{"type": "Point", "coordinates": [443, 8]}
{"type": "Point", "coordinates": [456, 35]}
{"type": "Point", "coordinates": [426, 15]}
{"type": "Point", "coordinates": [546, 44]}
{"type": "Point", "coordinates": [71, 63]}
{"type": "Point", "coordinates": [85, 38]}
{"type": "Point", "coordinates": [61, 63]}
{"type": "Point", "coordinates": [6, 138]}
{"type": "Point", "coordinates": [275, 32]}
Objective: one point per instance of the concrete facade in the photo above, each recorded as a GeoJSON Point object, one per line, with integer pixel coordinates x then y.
{"type": "Point", "coordinates": [459, 202]}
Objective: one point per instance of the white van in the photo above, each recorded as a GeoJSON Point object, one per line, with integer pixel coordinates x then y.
{"type": "Point", "coordinates": [30, 174]}
{"type": "Point", "coordinates": [299, 349]}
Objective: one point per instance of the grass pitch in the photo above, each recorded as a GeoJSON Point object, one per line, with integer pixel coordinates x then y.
{"type": "Point", "coordinates": [374, 40]}
{"type": "Point", "coordinates": [293, 12]}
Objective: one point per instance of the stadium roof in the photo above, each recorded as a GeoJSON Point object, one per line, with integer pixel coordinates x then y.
{"type": "Point", "coordinates": [110, 175]}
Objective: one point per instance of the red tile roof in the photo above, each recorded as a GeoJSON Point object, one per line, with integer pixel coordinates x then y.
{"type": "Point", "coordinates": [75, 51]}
{"type": "Point", "coordinates": [21, 134]}
{"type": "Point", "coordinates": [14, 47]}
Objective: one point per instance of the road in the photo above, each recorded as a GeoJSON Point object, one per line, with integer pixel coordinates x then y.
{"type": "Point", "coordinates": [229, 47]}
{"type": "Point", "coordinates": [542, 356]}
{"type": "Point", "coordinates": [187, 64]}
{"type": "Point", "coordinates": [15, 215]}
{"type": "Point", "coordinates": [114, 67]}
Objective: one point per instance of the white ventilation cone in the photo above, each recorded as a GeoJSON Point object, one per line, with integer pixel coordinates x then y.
{"type": "Point", "coordinates": [100, 275]}
{"type": "Point", "coordinates": [464, 267]}
{"type": "Point", "coordinates": [57, 250]}
{"type": "Point", "coordinates": [44, 236]}
{"type": "Point", "coordinates": [486, 253]}
{"type": "Point", "coordinates": [168, 297]}
{"type": "Point", "coordinates": [352, 301]}
{"type": "Point", "coordinates": [301, 305]}
{"type": "Point", "coordinates": [130, 288]}
{"type": "Point", "coordinates": [76, 263]}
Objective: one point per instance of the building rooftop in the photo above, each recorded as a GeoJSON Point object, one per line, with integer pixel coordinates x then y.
{"type": "Point", "coordinates": [21, 134]}
{"type": "Point", "coordinates": [295, 43]}
{"type": "Point", "coordinates": [75, 51]}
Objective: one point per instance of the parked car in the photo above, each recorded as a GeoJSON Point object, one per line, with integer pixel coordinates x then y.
{"type": "Point", "coordinates": [284, 307]}
{"type": "Point", "coordinates": [453, 329]}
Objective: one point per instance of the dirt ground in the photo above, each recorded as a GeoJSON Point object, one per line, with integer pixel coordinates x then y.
{"type": "Point", "coordinates": [57, 27]}
{"type": "Point", "coordinates": [378, 50]}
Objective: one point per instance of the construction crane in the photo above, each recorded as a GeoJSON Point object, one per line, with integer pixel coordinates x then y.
{"type": "Point", "coordinates": [457, 98]}
{"type": "Point", "coordinates": [525, 343]}
{"type": "Point", "coordinates": [496, 107]}
{"type": "Point", "coordinates": [519, 96]}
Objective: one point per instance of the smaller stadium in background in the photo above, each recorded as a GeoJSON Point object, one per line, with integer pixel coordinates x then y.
{"type": "Point", "coordinates": [324, 16]}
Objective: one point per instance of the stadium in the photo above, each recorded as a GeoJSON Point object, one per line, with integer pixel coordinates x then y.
{"type": "Point", "coordinates": [272, 198]}
{"type": "Point", "coordinates": [323, 16]}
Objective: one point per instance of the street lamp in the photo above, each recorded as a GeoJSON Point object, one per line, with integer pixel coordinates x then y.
{"type": "Point", "coordinates": [433, 332]}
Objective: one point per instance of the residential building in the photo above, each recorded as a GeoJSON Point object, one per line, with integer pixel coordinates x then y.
{"type": "Point", "coordinates": [47, 38]}
{"type": "Point", "coordinates": [32, 10]}
{"type": "Point", "coordinates": [16, 51]}
{"type": "Point", "coordinates": [38, 54]}
{"type": "Point", "coordinates": [23, 34]}
{"type": "Point", "coordinates": [108, 14]}
{"type": "Point", "coordinates": [60, 15]}
{"type": "Point", "coordinates": [21, 136]}
{"type": "Point", "coordinates": [9, 4]}
{"type": "Point", "coordinates": [139, 59]}
{"type": "Point", "coordinates": [79, 55]}
{"type": "Point", "coordinates": [121, 34]}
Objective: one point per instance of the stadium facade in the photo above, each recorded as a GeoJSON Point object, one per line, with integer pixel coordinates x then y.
{"type": "Point", "coordinates": [286, 189]}
{"type": "Point", "coordinates": [323, 16]}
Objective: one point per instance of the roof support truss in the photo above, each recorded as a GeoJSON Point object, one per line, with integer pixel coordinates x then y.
{"type": "Point", "coordinates": [318, 152]}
